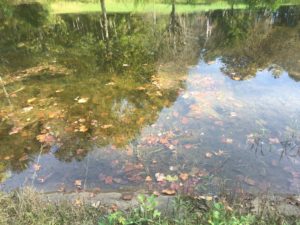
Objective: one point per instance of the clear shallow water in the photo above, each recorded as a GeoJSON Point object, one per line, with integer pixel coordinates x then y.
{"type": "Point", "coordinates": [195, 106]}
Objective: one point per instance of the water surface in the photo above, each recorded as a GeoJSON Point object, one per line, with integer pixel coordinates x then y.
{"type": "Point", "coordinates": [186, 102]}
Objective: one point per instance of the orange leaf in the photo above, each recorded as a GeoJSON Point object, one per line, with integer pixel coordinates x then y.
{"type": "Point", "coordinates": [184, 176]}
{"type": "Point", "coordinates": [168, 192]}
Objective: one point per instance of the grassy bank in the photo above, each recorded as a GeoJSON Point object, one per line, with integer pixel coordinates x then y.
{"type": "Point", "coordinates": [28, 207]}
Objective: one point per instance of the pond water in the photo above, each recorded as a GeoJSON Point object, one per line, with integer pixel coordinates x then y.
{"type": "Point", "coordinates": [189, 103]}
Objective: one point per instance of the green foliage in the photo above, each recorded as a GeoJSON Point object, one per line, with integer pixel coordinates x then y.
{"type": "Point", "coordinates": [219, 216]}
{"type": "Point", "coordinates": [145, 213]}
{"type": "Point", "coordinates": [29, 208]}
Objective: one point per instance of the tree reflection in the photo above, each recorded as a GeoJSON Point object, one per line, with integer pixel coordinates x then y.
{"type": "Point", "coordinates": [70, 59]}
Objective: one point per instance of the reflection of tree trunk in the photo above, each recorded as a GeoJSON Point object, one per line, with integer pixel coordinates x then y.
{"type": "Point", "coordinates": [173, 17]}
{"type": "Point", "coordinates": [103, 9]}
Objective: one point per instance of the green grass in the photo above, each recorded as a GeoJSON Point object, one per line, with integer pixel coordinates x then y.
{"type": "Point", "coordinates": [28, 208]}
{"type": "Point", "coordinates": [77, 7]}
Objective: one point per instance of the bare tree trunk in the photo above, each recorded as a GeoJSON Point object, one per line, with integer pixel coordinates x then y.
{"type": "Point", "coordinates": [103, 9]}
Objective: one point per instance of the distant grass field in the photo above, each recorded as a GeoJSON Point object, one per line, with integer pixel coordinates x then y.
{"type": "Point", "coordinates": [78, 7]}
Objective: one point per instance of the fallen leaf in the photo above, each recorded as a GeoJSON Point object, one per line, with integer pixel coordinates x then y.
{"type": "Point", "coordinates": [80, 151]}
{"type": "Point", "coordinates": [148, 179]}
{"type": "Point", "coordinates": [168, 192]}
{"type": "Point", "coordinates": [208, 155]}
{"type": "Point", "coordinates": [228, 141]}
{"type": "Point", "coordinates": [106, 126]}
{"type": "Point", "coordinates": [78, 202]}
{"type": "Point", "coordinates": [249, 181]}
{"type": "Point", "coordinates": [188, 146]}
{"type": "Point", "coordinates": [24, 158]}
{"type": "Point", "coordinates": [219, 153]}
{"type": "Point", "coordinates": [160, 177]}
{"type": "Point", "coordinates": [45, 138]}
{"type": "Point", "coordinates": [141, 88]}
{"type": "Point", "coordinates": [207, 198]}
{"type": "Point", "coordinates": [83, 128]}
{"type": "Point", "coordinates": [184, 176]}
{"type": "Point", "coordinates": [27, 109]}
{"type": "Point", "coordinates": [31, 100]}
{"type": "Point", "coordinates": [82, 100]}
{"type": "Point", "coordinates": [15, 130]}
{"type": "Point", "coordinates": [233, 114]}
{"type": "Point", "coordinates": [135, 178]}
{"type": "Point", "coordinates": [78, 183]}
{"type": "Point", "coordinates": [36, 167]}
{"type": "Point", "coordinates": [108, 180]}
{"type": "Point", "coordinates": [184, 120]}
{"type": "Point", "coordinates": [274, 141]}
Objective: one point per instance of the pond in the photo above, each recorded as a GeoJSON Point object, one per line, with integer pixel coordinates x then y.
{"type": "Point", "coordinates": [181, 103]}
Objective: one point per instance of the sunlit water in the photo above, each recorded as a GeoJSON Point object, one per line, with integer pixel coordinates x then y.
{"type": "Point", "coordinates": [196, 110]}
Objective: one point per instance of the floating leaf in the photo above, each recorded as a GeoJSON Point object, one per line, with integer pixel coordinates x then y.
{"type": "Point", "coordinates": [184, 176]}
{"type": "Point", "coordinates": [228, 140]}
{"type": "Point", "coordinates": [184, 120]}
{"type": "Point", "coordinates": [274, 141]}
{"type": "Point", "coordinates": [45, 138]}
{"type": "Point", "coordinates": [108, 180]}
{"type": "Point", "coordinates": [36, 167]}
{"type": "Point", "coordinates": [188, 146]}
{"type": "Point", "coordinates": [233, 114]}
{"type": "Point", "coordinates": [219, 153]}
{"type": "Point", "coordinates": [249, 181]}
{"type": "Point", "coordinates": [208, 155]}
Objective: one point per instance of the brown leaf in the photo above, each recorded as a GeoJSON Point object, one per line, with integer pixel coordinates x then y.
{"type": "Point", "coordinates": [135, 178]}
{"type": "Point", "coordinates": [45, 138]}
{"type": "Point", "coordinates": [274, 141]}
{"type": "Point", "coordinates": [23, 158]}
{"type": "Point", "coordinates": [108, 180]}
{"type": "Point", "coordinates": [106, 126]}
{"type": "Point", "coordinates": [83, 128]}
{"type": "Point", "coordinates": [78, 183]}
{"type": "Point", "coordinates": [36, 167]}
{"type": "Point", "coordinates": [184, 120]}
{"type": "Point", "coordinates": [148, 179]}
{"type": "Point", "coordinates": [168, 192]}
{"type": "Point", "coordinates": [249, 181]}
{"type": "Point", "coordinates": [15, 130]}
{"type": "Point", "coordinates": [184, 176]}
{"type": "Point", "coordinates": [208, 155]}
{"type": "Point", "coordinates": [188, 146]}
{"type": "Point", "coordinates": [160, 177]}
